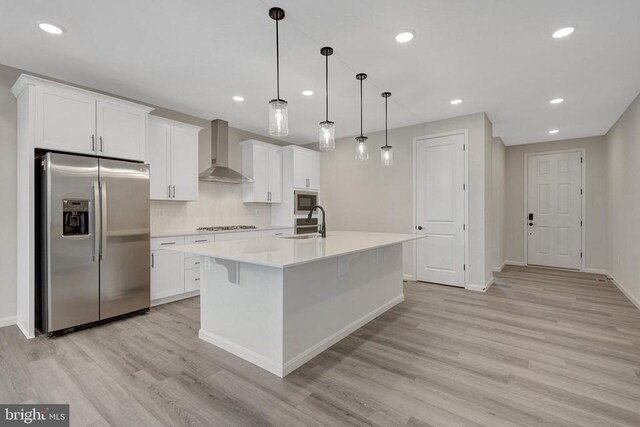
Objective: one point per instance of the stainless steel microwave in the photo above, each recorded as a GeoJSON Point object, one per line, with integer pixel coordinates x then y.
{"type": "Point", "coordinates": [304, 201]}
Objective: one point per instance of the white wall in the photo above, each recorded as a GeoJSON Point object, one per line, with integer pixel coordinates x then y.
{"type": "Point", "coordinates": [499, 224]}
{"type": "Point", "coordinates": [365, 196]}
{"type": "Point", "coordinates": [595, 190]}
{"type": "Point", "coordinates": [8, 135]}
{"type": "Point", "coordinates": [623, 203]}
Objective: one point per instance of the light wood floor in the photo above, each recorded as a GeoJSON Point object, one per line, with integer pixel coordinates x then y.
{"type": "Point", "coordinates": [540, 347]}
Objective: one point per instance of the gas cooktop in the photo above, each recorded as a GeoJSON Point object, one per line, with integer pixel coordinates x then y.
{"type": "Point", "coordinates": [227, 228]}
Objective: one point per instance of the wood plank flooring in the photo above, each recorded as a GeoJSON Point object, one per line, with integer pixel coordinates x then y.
{"type": "Point", "coordinates": [541, 347]}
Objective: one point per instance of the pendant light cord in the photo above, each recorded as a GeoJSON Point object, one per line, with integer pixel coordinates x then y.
{"type": "Point", "coordinates": [386, 140]}
{"type": "Point", "coordinates": [277, 61]}
{"type": "Point", "coordinates": [326, 79]}
{"type": "Point", "coordinates": [361, 109]}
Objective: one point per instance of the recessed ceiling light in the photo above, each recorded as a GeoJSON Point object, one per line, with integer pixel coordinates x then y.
{"type": "Point", "coordinates": [554, 131]}
{"type": "Point", "coordinates": [455, 101]}
{"type": "Point", "coordinates": [556, 101]}
{"type": "Point", "coordinates": [563, 32]}
{"type": "Point", "coordinates": [238, 98]}
{"type": "Point", "coordinates": [404, 36]}
{"type": "Point", "coordinates": [307, 92]}
{"type": "Point", "coordinates": [50, 28]}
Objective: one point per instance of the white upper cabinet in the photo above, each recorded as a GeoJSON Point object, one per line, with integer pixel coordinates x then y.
{"type": "Point", "coordinates": [74, 120]}
{"type": "Point", "coordinates": [65, 120]}
{"type": "Point", "coordinates": [306, 168]}
{"type": "Point", "coordinates": [121, 131]}
{"type": "Point", "coordinates": [173, 159]}
{"type": "Point", "coordinates": [263, 163]}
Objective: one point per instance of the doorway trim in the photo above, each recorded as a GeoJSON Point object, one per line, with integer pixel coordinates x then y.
{"type": "Point", "coordinates": [583, 245]}
{"type": "Point", "coordinates": [414, 162]}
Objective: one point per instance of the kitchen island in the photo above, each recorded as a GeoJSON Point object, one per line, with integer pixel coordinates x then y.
{"type": "Point", "coordinates": [279, 301]}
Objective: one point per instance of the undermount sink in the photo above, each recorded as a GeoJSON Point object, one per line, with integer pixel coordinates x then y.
{"type": "Point", "coordinates": [301, 236]}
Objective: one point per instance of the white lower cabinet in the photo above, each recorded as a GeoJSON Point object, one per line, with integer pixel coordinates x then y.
{"type": "Point", "coordinates": [175, 275]}
{"type": "Point", "coordinates": [167, 274]}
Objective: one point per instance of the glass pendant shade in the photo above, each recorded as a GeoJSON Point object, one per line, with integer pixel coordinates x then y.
{"type": "Point", "coordinates": [326, 134]}
{"type": "Point", "coordinates": [362, 148]}
{"type": "Point", "coordinates": [386, 155]}
{"type": "Point", "coordinates": [278, 117]}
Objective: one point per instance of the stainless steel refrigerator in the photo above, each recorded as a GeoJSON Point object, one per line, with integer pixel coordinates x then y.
{"type": "Point", "coordinates": [93, 242]}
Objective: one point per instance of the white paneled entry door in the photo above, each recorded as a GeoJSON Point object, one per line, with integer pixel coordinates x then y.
{"type": "Point", "coordinates": [440, 209]}
{"type": "Point", "coordinates": [554, 210]}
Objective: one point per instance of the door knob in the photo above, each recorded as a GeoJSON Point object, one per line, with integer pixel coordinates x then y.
{"type": "Point", "coordinates": [419, 227]}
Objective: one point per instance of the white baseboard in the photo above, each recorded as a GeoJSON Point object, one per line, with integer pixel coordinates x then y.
{"type": "Point", "coordinates": [316, 349]}
{"type": "Point", "coordinates": [518, 263]}
{"type": "Point", "coordinates": [488, 284]}
{"type": "Point", "coordinates": [282, 369]}
{"type": "Point", "coordinates": [25, 331]}
{"type": "Point", "coordinates": [173, 298]}
{"type": "Point", "coordinates": [629, 295]}
{"type": "Point", "coordinates": [596, 271]}
{"type": "Point", "coordinates": [410, 277]}
{"type": "Point", "coordinates": [8, 321]}
{"type": "Point", "coordinates": [500, 267]}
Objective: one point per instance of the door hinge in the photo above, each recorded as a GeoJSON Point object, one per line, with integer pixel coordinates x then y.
{"type": "Point", "coordinates": [464, 147]}
{"type": "Point", "coordinates": [581, 159]}
{"type": "Point", "coordinates": [464, 267]}
{"type": "Point", "coordinates": [464, 187]}
{"type": "Point", "coordinates": [580, 223]}
{"type": "Point", "coordinates": [580, 254]}
{"type": "Point", "coordinates": [464, 226]}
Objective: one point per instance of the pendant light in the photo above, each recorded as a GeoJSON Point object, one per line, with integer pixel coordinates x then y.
{"type": "Point", "coordinates": [386, 155]}
{"type": "Point", "coordinates": [326, 130]}
{"type": "Point", "coordinates": [362, 147]}
{"type": "Point", "coordinates": [278, 112]}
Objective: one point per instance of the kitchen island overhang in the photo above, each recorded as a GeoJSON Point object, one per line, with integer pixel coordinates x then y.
{"type": "Point", "coordinates": [277, 302]}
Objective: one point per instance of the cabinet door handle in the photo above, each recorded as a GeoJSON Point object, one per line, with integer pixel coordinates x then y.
{"type": "Point", "coordinates": [197, 280]}
{"type": "Point", "coordinates": [101, 145]}
{"type": "Point", "coordinates": [167, 243]}
{"type": "Point", "coordinates": [93, 143]}
{"type": "Point", "coordinates": [308, 183]}
{"type": "Point", "coordinates": [197, 263]}
{"type": "Point", "coordinates": [153, 259]}
{"type": "Point", "coordinates": [200, 241]}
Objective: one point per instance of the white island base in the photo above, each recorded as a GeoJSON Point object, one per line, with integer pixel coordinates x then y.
{"type": "Point", "coordinates": [278, 318]}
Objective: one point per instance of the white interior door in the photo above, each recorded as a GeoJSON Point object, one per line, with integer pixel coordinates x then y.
{"type": "Point", "coordinates": [554, 210]}
{"type": "Point", "coordinates": [440, 174]}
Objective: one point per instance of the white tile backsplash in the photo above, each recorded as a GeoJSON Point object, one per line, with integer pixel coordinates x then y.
{"type": "Point", "coordinates": [218, 204]}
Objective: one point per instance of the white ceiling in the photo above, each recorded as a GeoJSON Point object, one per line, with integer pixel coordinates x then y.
{"type": "Point", "coordinates": [498, 55]}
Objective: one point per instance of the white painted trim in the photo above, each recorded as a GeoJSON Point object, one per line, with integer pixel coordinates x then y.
{"type": "Point", "coordinates": [8, 321]}
{"type": "Point", "coordinates": [173, 298]}
{"type": "Point", "coordinates": [635, 301]}
{"type": "Point", "coordinates": [409, 277]}
{"type": "Point", "coordinates": [489, 283]}
{"type": "Point", "coordinates": [479, 288]}
{"type": "Point", "coordinates": [318, 348]}
{"type": "Point", "coordinates": [282, 369]}
{"type": "Point", "coordinates": [583, 243]}
{"type": "Point", "coordinates": [29, 334]}
{"type": "Point", "coordinates": [518, 263]}
{"type": "Point", "coordinates": [465, 132]}
{"type": "Point", "coordinates": [596, 271]}
{"type": "Point", "coordinates": [266, 363]}
{"type": "Point", "coordinates": [500, 267]}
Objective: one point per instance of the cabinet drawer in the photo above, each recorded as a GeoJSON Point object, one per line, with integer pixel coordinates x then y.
{"type": "Point", "coordinates": [165, 242]}
{"type": "Point", "coordinates": [200, 238]}
{"type": "Point", "coordinates": [281, 232]}
{"type": "Point", "coordinates": [192, 262]}
{"type": "Point", "coordinates": [237, 235]}
{"type": "Point", "coordinates": [192, 280]}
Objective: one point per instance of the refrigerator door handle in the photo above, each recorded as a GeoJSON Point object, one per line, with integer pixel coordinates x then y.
{"type": "Point", "coordinates": [103, 220]}
{"type": "Point", "coordinates": [97, 225]}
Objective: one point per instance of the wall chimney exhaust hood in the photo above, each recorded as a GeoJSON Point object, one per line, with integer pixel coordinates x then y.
{"type": "Point", "coordinates": [219, 170]}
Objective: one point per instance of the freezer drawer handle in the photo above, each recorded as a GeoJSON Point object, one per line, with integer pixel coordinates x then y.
{"type": "Point", "coordinates": [153, 259]}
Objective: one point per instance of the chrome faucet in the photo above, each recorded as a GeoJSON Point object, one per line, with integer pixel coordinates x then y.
{"type": "Point", "coordinates": [323, 230]}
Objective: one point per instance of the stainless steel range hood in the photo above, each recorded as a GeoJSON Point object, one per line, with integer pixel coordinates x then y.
{"type": "Point", "coordinates": [219, 170]}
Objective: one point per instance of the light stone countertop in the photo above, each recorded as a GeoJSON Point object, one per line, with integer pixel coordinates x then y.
{"type": "Point", "coordinates": [196, 233]}
{"type": "Point", "coordinates": [281, 252]}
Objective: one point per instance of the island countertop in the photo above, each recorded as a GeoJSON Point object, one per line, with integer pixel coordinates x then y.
{"type": "Point", "coordinates": [283, 252]}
